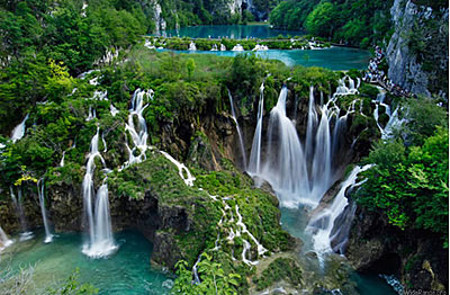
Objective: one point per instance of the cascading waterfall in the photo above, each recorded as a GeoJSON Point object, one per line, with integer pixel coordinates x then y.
{"type": "Point", "coordinates": [299, 173]}
{"type": "Point", "coordinates": [41, 188]}
{"type": "Point", "coordinates": [284, 167]}
{"type": "Point", "coordinates": [18, 203]}
{"type": "Point", "coordinates": [238, 128]}
{"type": "Point", "coordinates": [19, 131]}
{"type": "Point", "coordinates": [183, 171]}
{"type": "Point", "coordinates": [101, 241]}
{"type": "Point", "coordinates": [4, 240]}
{"type": "Point", "coordinates": [138, 135]}
{"type": "Point", "coordinates": [311, 125]}
{"type": "Point", "coordinates": [254, 166]}
{"type": "Point", "coordinates": [324, 227]}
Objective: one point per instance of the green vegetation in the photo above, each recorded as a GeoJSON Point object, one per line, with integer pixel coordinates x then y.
{"type": "Point", "coordinates": [354, 22]}
{"type": "Point", "coordinates": [409, 182]}
{"type": "Point", "coordinates": [213, 278]}
{"type": "Point", "coordinates": [37, 33]}
{"type": "Point", "coordinates": [285, 269]}
{"type": "Point", "coordinates": [298, 42]}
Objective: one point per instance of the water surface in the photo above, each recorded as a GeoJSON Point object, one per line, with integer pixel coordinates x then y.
{"type": "Point", "coordinates": [295, 221]}
{"type": "Point", "coordinates": [334, 58]}
{"type": "Point", "coordinates": [128, 271]}
{"type": "Point", "coordinates": [231, 31]}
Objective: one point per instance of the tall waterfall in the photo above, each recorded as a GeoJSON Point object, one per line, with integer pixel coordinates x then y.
{"type": "Point", "coordinates": [101, 242]}
{"type": "Point", "coordinates": [19, 131]}
{"type": "Point", "coordinates": [18, 204]}
{"type": "Point", "coordinates": [139, 134]}
{"type": "Point", "coordinates": [284, 166]}
{"type": "Point", "coordinates": [4, 240]}
{"type": "Point", "coordinates": [300, 173]}
{"type": "Point", "coordinates": [40, 188]}
{"type": "Point", "coordinates": [238, 128]}
{"type": "Point", "coordinates": [254, 166]}
{"type": "Point", "coordinates": [324, 225]}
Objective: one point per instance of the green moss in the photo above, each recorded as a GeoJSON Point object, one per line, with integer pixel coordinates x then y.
{"type": "Point", "coordinates": [285, 269]}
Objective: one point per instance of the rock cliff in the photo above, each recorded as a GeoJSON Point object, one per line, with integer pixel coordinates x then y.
{"type": "Point", "coordinates": [417, 53]}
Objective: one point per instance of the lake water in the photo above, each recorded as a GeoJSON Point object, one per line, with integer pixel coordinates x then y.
{"type": "Point", "coordinates": [230, 31]}
{"type": "Point", "coordinates": [128, 271]}
{"type": "Point", "coordinates": [334, 58]}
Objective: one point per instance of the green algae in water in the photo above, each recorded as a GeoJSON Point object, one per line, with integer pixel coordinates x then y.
{"type": "Point", "coordinates": [127, 271]}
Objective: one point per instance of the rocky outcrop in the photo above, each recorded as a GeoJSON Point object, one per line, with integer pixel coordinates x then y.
{"type": "Point", "coordinates": [417, 53]}
{"type": "Point", "coordinates": [416, 257]}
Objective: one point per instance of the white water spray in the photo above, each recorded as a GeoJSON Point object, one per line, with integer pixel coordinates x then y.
{"type": "Point", "coordinates": [322, 226]}
{"type": "Point", "coordinates": [138, 133]}
{"type": "Point", "coordinates": [41, 188]}
{"type": "Point", "coordinates": [101, 241]}
{"type": "Point", "coordinates": [254, 166]}
{"type": "Point", "coordinates": [4, 240]}
{"type": "Point", "coordinates": [19, 131]}
{"type": "Point", "coordinates": [238, 128]}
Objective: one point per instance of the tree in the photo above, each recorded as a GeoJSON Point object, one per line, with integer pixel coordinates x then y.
{"type": "Point", "coordinates": [321, 21]}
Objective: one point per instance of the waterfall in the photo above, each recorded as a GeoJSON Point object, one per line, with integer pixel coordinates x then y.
{"type": "Point", "coordinates": [238, 47]}
{"type": "Point", "coordinates": [40, 188]}
{"type": "Point", "coordinates": [18, 203]}
{"type": "Point", "coordinates": [92, 114]}
{"type": "Point", "coordinates": [138, 135]}
{"type": "Point", "coordinates": [285, 168]}
{"type": "Point", "coordinates": [101, 242]}
{"type": "Point", "coordinates": [300, 173]}
{"type": "Point", "coordinates": [192, 46]}
{"type": "Point", "coordinates": [183, 171]}
{"type": "Point", "coordinates": [4, 240]}
{"type": "Point", "coordinates": [321, 165]}
{"type": "Point", "coordinates": [214, 48]}
{"type": "Point", "coordinates": [311, 125]}
{"type": "Point", "coordinates": [238, 128]}
{"type": "Point", "coordinates": [324, 227]}
{"type": "Point", "coordinates": [254, 165]}
{"type": "Point", "coordinates": [222, 47]}
{"type": "Point", "coordinates": [61, 163]}
{"type": "Point", "coordinates": [19, 131]}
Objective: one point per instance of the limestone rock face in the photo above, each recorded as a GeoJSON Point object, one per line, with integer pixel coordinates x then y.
{"type": "Point", "coordinates": [419, 68]}
{"type": "Point", "coordinates": [416, 257]}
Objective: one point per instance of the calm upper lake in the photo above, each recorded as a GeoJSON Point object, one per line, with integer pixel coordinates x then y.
{"type": "Point", "coordinates": [334, 58]}
{"type": "Point", "coordinates": [230, 31]}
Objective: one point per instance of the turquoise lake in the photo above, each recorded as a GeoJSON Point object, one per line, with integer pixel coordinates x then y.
{"type": "Point", "coordinates": [231, 32]}
{"type": "Point", "coordinates": [127, 271]}
{"type": "Point", "coordinates": [336, 58]}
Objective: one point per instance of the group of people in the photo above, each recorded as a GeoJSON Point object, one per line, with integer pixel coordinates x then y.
{"type": "Point", "coordinates": [376, 75]}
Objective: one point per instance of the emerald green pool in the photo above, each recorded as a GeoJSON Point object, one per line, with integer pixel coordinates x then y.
{"type": "Point", "coordinates": [128, 271]}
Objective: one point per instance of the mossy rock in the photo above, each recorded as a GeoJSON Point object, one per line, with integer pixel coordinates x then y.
{"type": "Point", "coordinates": [286, 269]}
